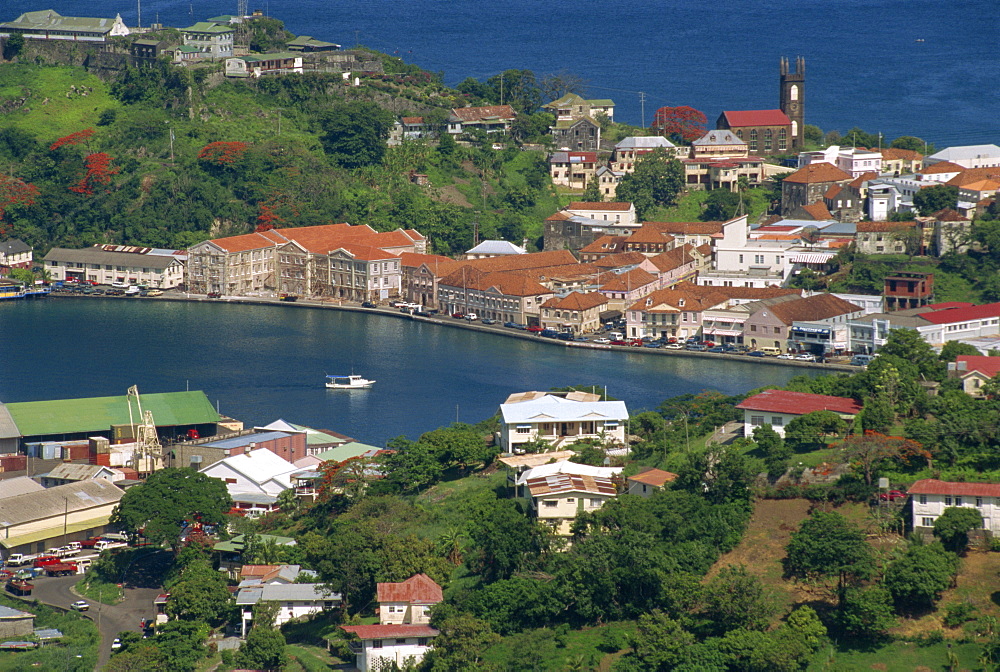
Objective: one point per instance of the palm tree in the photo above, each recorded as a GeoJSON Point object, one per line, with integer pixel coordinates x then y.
{"type": "Point", "coordinates": [451, 545]}
{"type": "Point", "coordinates": [742, 184]}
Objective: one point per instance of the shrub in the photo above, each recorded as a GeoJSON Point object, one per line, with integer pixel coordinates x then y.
{"type": "Point", "coordinates": [957, 614]}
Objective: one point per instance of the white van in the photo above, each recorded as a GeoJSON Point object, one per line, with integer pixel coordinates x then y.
{"type": "Point", "coordinates": [616, 336]}
{"type": "Point", "coordinates": [862, 360]}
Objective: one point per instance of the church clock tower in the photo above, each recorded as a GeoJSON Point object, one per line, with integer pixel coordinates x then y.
{"type": "Point", "coordinates": [793, 98]}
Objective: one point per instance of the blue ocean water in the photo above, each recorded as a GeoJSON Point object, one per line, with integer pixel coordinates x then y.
{"type": "Point", "coordinates": [899, 67]}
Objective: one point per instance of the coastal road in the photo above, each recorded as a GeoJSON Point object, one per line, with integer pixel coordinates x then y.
{"type": "Point", "coordinates": [142, 584]}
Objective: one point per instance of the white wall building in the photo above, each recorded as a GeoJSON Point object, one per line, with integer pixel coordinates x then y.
{"type": "Point", "coordinates": [382, 645]}
{"type": "Point", "coordinates": [295, 600]}
{"type": "Point", "coordinates": [559, 422]}
{"type": "Point", "coordinates": [776, 408]}
{"type": "Point", "coordinates": [931, 497]}
{"type": "Point", "coordinates": [106, 264]}
{"type": "Point", "coordinates": [969, 156]}
{"type": "Point", "coordinates": [849, 159]}
{"type": "Point", "coordinates": [254, 479]}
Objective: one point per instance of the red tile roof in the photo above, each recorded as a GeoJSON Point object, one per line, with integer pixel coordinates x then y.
{"type": "Point", "coordinates": [620, 259]}
{"type": "Point", "coordinates": [816, 173]}
{"type": "Point", "coordinates": [413, 259]}
{"type": "Point", "coordinates": [413, 120]}
{"type": "Point", "coordinates": [756, 118]}
{"type": "Point", "coordinates": [932, 486]}
{"type": "Point", "coordinates": [674, 259]}
{"type": "Point", "coordinates": [818, 211]}
{"type": "Point", "coordinates": [941, 167]}
{"type": "Point", "coordinates": [953, 315]}
{"type": "Point", "coordinates": [649, 234]}
{"type": "Point", "coordinates": [893, 153]}
{"type": "Point", "coordinates": [686, 228]}
{"type": "Point", "coordinates": [249, 241]}
{"type": "Point", "coordinates": [654, 477]}
{"type": "Point", "coordinates": [862, 178]}
{"type": "Point", "coordinates": [988, 366]}
{"type": "Point", "coordinates": [577, 301]}
{"type": "Point", "coordinates": [604, 245]}
{"type": "Point", "coordinates": [884, 227]}
{"type": "Point", "coordinates": [418, 589]}
{"type": "Point", "coordinates": [628, 281]}
{"type": "Point", "coordinates": [612, 207]}
{"type": "Point", "coordinates": [949, 215]}
{"type": "Point", "coordinates": [390, 631]}
{"type": "Point", "coordinates": [798, 403]}
{"type": "Point", "coordinates": [811, 308]}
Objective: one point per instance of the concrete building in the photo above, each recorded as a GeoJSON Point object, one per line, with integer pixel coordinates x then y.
{"type": "Point", "coordinates": [560, 421]}
{"type": "Point", "coordinates": [381, 645]}
{"type": "Point", "coordinates": [776, 408]}
{"type": "Point", "coordinates": [258, 65]}
{"type": "Point", "coordinates": [295, 600]}
{"type": "Point", "coordinates": [209, 39]}
{"type": "Point", "coordinates": [15, 253]}
{"type": "Point", "coordinates": [967, 156]}
{"type": "Point", "coordinates": [107, 264]}
{"type": "Point", "coordinates": [254, 479]}
{"type": "Point", "coordinates": [47, 24]}
{"type": "Point", "coordinates": [931, 498]}
{"type": "Point", "coordinates": [577, 312]}
{"type": "Point", "coordinates": [649, 481]}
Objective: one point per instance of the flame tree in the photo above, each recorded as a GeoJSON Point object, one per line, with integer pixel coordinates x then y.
{"type": "Point", "coordinates": [683, 123]}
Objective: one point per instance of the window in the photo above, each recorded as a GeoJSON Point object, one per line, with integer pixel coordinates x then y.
{"type": "Point", "coordinates": [596, 502]}
{"type": "Point", "coordinates": [422, 641]}
{"type": "Point", "coordinates": [524, 429]}
{"type": "Point", "coordinates": [777, 421]}
{"type": "Point", "coordinates": [923, 499]}
{"type": "Point", "coordinates": [550, 503]}
{"type": "Point", "coordinates": [756, 420]}
{"type": "Point", "coordinates": [979, 501]}
{"type": "Point", "coordinates": [400, 640]}
{"type": "Point", "coordinates": [376, 643]}
{"type": "Point", "coordinates": [927, 522]}
{"type": "Point", "coordinates": [947, 501]}
{"type": "Point", "coordinates": [958, 501]}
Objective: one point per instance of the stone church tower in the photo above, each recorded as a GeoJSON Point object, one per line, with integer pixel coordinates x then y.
{"type": "Point", "coordinates": [793, 98]}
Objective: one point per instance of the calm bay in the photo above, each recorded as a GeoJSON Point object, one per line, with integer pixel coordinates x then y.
{"type": "Point", "coordinates": [259, 363]}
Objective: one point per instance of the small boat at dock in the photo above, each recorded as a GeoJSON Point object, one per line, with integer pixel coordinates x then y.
{"type": "Point", "coordinates": [351, 382]}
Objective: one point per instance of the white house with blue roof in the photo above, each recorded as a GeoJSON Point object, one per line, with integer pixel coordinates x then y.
{"type": "Point", "coordinates": [560, 421]}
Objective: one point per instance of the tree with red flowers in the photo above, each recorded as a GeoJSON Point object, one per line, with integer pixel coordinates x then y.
{"type": "Point", "coordinates": [72, 139]}
{"type": "Point", "coordinates": [99, 172]}
{"type": "Point", "coordinates": [15, 192]}
{"type": "Point", "coordinates": [680, 123]}
{"type": "Point", "coordinates": [223, 153]}
{"type": "Point", "coordinates": [871, 450]}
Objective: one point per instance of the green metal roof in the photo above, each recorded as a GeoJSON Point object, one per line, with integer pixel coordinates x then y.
{"type": "Point", "coordinates": [207, 27]}
{"type": "Point", "coordinates": [346, 451]}
{"type": "Point", "coordinates": [97, 414]}
{"type": "Point", "coordinates": [316, 437]}
{"type": "Point", "coordinates": [235, 545]}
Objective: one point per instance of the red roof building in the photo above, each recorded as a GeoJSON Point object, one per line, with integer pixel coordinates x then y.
{"type": "Point", "coordinates": [419, 589]}
{"type": "Point", "coordinates": [764, 131]}
{"type": "Point", "coordinates": [776, 408]}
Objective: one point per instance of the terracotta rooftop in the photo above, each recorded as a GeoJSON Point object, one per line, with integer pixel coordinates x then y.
{"type": "Point", "coordinates": [818, 211]}
{"type": "Point", "coordinates": [798, 403]}
{"type": "Point", "coordinates": [862, 178]}
{"type": "Point", "coordinates": [812, 308]}
{"type": "Point", "coordinates": [988, 366]}
{"type": "Point", "coordinates": [418, 589]}
{"type": "Point", "coordinates": [942, 167]}
{"type": "Point", "coordinates": [508, 284]}
{"type": "Point", "coordinates": [893, 153]}
{"type": "Point", "coordinates": [675, 258]}
{"type": "Point", "coordinates": [627, 281]}
{"type": "Point", "coordinates": [577, 301]}
{"type": "Point", "coordinates": [949, 215]}
{"type": "Point", "coordinates": [619, 259]}
{"type": "Point", "coordinates": [686, 228]}
{"type": "Point", "coordinates": [816, 173]}
{"type": "Point", "coordinates": [884, 226]}
{"type": "Point", "coordinates": [605, 245]}
{"type": "Point", "coordinates": [670, 300]}
{"type": "Point", "coordinates": [469, 114]}
{"type": "Point", "coordinates": [414, 259]}
{"type": "Point", "coordinates": [649, 234]}
{"type": "Point", "coordinates": [654, 477]}
{"type": "Point", "coordinates": [970, 176]}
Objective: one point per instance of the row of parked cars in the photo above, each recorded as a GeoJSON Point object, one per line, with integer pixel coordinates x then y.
{"type": "Point", "coordinates": [91, 290]}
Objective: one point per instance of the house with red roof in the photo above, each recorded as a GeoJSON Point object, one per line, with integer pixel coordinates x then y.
{"type": "Point", "coordinates": [958, 323]}
{"type": "Point", "coordinates": [932, 497]}
{"type": "Point", "coordinates": [573, 169]}
{"type": "Point", "coordinates": [491, 119]}
{"type": "Point", "coordinates": [764, 131]}
{"type": "Point", "coordinates": [974, 371]}
{"type": "Point", "coordinates": [776, 408]}
{"type": "Point", "coordinates": [577, 312]}
{"type": "Point", "coordinates": [380, 647]}
{"type": "Point", "coordinates": [648, 481]}
{"type": "Point", "coordinates": [408, 602]}
{"type": "Point", "coordinates": [809, 184]}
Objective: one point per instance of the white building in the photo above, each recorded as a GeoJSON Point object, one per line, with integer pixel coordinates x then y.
{"type": "Point", "coordinates": [493, 248]}
{"type": "Point", "coordinates": [646, 483]}
{"type": "Point", "coordinates": [557, 498]}
{"type": "Point", "coordinates": [853, 160]}
{"type": "Point", "coordinates": [620, 214]}
{"type": "Point", "coordinates": [931, 497]}
{"type": "Point", "coordinates": [384, 645]}
{"type": "Point", "coordinates": [969, 156]}
{"type": "Point", "coordinates": [776, 408]}
{"type": "Point", "coordinates": [408, 602]}
{"type": "Point", "coordinates": [295, 600]}
{"type": "Point", "coordinates": [560, 421]}
{"type": "Point", "coordinates": [254, 479]}
{"type": "Point", "coordinates": [106, 264]}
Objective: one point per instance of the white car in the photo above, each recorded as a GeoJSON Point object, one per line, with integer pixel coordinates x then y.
{"type": "Point", "coordinates": [785, 355]}
{"type": "Point", "coordinates": [471, 317]}
{"type": "Point", "coordinates": [805, 357]}
{"type": "Point", "coordinates": [673, 346]}
{"type": "Point", "coordinates": [602, 340]}
{"type": "Point", "coordinates": [117, 644]}
{"type": "Point", "coordinates": [79, 605]}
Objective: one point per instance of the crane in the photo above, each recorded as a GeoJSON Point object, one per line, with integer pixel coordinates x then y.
{"type": "Point", "coordinates": [147, 442]}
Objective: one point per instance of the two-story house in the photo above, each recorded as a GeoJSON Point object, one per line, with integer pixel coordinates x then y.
{"type": "Point", "coordinates": [14, 253]}
{"type": "Point", "coordinates": [209, 39]}
{"type": "Point", "coordinates": [577, 312]}
{"type": "Point", "coordinates": [573, 106]}
{"type": "Point", "coordinates": [560, 421]}
{"type": "Point", "coordinates": [573, 169]}
{"type": "Point", "coordinates": [556, 499]}
{"type": "Point", "coordinates": [489, 119]}
{"type": "Point", "coordinates": [408, 602]}
{"type": "Point", "coordinates": [974, 371]}
{"type": "Point", "coordinates": [930, 497]}
{"type": "Point", "coordinates": [295, 600]}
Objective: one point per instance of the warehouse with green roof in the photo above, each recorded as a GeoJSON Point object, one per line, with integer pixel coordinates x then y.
{"type": "Point", "coordinates": [174, 413]}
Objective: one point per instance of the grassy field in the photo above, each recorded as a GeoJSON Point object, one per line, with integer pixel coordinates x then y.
{"type": "Point", "coordinates": [560, 649]}
{"type": "Point", "coordinates": [446, 505]}
{"type": "Point", "coordinates": [93, 588]}
{"type": "Point", "coordinates": [896, 657]}
{"type": "Point", "coordinates": [52, 109]}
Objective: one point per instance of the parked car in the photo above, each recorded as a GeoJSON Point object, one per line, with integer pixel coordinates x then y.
{"type": "Point", "coordinates": [786, 355]}
{"type": "Point", "coordinates": [805, 357]}
{"type": "Point", "coordinates": [602, 341]}
{"type": "Point", "coordinates": [652, 344]}
{"type": "Point", "coordinates": [697, 347]}
{"type": "Point", "coordinates": [717, 348]}
{"type": "Point", "coordinates": [514, 325]}
{"type": "Point", "coordinates": [549, 333]}
{"type": "Point", "coordinates": [892, 495]}
{"type": "Point", "coordinates": [534, 329]}
{"type": "Point", "coordinates": [487, 320]}
{"type": "Point", "coordinates": [80, 605]}
{"type": "Point", "coordinates": [367, 304]}
{"type": "Point", "coordinates": [755, 353]}
{"type": "Point", "coordinates": [673, 346]}
{"type": "Point", "coordinates": [211, 295]}
{"type": "Point", "coordinates": [671, 340]}
{"type": "Point", "coordinates": [472, 317]}
{"type": "Point", "coordinates": [619, 341]}
{"type": "Point", "coordinates": [708, 344]}
{"type": "Point", "coordinates": [458, 316]}
{"type": "Point", "coordinates": [154, 292]}
{"type": "Point", "coordinates": [117, 644]}
{"type": "Point", "coordinates": [635, 343]}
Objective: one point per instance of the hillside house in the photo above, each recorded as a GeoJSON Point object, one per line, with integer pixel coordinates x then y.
{"type": "Point", "coordinates": [931, 497]}
{"type": "Point", "coordinates": [380, 646]}
{"type": "Point", "coordinates": [408, 602]}
{"type": "Point", "coordinates": [573, 106]}
{"type": "Point", "coordinates": [47, 24]}
{"type": "Point", "coordinates": [573, 169]}
{"type": "Point", "coordinates": [295, 600]}
{"type": "Point", "coordinates": [649, 481]}
{"type": "Point", "coordinates": [560, 421]}
{"type": "Point", "coordinates": [556, 499]}
{"type": "Point", "coordinates": [581, 135]}
{"type": "Point", "coordinates": [209, 39]}
{"type": "Point", "coordinates": [765, 131]}
{"type": "Point", "coordinates": [974, 371]}
{"type": "Point", "coordinates": [490, 119]}
{"type": "Point", "coordinates": [776, 408]}
{"type": "Point", "coordinates": [14, 253]}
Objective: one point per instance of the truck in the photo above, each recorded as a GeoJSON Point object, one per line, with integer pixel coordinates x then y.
{"type": "Point", "coordinates": [104, 545]}
{"type": "Point", "coordinates": [45, 560]}
{"type": "Point", "coordinates": [61, 569]}
{"type": "Point", "coordinates": [20, 559]}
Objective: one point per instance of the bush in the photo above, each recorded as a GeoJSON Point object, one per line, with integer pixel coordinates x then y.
{"type": "Point", "coordinates": [957, 614]}
{"type": "Point", "coordinates": [613, 640]}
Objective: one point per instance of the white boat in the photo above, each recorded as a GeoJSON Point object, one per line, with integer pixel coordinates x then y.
{"type": "Point", "coordinates": [350, 382]}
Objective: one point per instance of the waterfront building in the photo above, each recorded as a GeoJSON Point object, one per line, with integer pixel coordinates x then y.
{"type": "Point", "coordinates": [967, 156]}
{"type": "Point", "coordinates": [772, 326]}
{"type": "Point", "coordinates": [577, 312]}
{"type": "Point", "coordinates": [501, 296]}
{"type": "Point", "coordinates": [107, 264]}
{"type": "Point", "coordinates": [573, 106]}
{"type": "Point", "coordinates": [14, 253]}
{"type": "Point", "coordinates": [47, 24]}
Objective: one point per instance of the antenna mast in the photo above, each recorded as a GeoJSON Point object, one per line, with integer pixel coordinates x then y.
{"type": "Point", "coordinates": [148, 449]}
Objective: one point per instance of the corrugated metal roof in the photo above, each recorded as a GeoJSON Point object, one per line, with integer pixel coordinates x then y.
{"type": "Point", "coordinates": [97, 414]}
{"type": "Point", "coordinates": [8, 428]}
{"type": "Point", "coordinates": [556, 484]}
{"type": "Point", "coordinates": [11, 487]}
{"type": "Point", "coordinates": [289, 592]}
{"type": "Point", "coordinates": [56, 501]}
{"type": "Point", "coordinates": [95, 255]}
{"type": "Point", "coordinates": [556, 409]}
{"type": "Point", "coordinates": [240, 441]}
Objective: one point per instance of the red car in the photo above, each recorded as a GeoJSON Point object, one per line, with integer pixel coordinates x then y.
{"type": "Point", "coordinates": [534, 330]}
{"type": "Point", "coordinates": [636, 343]}
{"type": "Point", "coordinates": [708, 344]}
{"type": "Point", "coordinates": [458, 316]}
{"type": "Point", "coordinates": [891, 496]}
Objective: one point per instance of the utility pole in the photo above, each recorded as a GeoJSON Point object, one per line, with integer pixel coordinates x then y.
{"type": "Point", "coordinates": [642, 103]}
{"type": "Point", "coordinates": [501, 88]}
